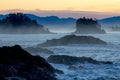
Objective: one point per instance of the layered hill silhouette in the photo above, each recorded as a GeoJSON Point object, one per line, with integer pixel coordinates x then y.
{"type": "Point", "coordinates": [52, 20]}
{"type": "Point", "coordinates": [53, 23]}
{"type": "Point", "coordinates": [56, 23]}
{"type": "Point", "coordinates": [111, 21]}
{"type": "Point", "coordinates": [47, 20]}
{"type": "Point", "coordinates": [20, 23]}
{"type": "Point", "coordinates": [88, 26]}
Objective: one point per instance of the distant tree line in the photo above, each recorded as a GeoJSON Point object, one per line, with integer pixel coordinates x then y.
{"type": "Point", "coordinates": [20, 23]}
{"type": "Point", "coordinates": [18, 20]}
{"type": "Point", "coordinates": [87, 22]}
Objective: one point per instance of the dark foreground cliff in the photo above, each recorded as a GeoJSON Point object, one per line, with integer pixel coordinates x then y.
{"type": "Point", "coordinates": [17, 64]}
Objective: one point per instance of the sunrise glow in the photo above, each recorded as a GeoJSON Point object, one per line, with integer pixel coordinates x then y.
{"type": "Point", "coordinates": [75, 5]}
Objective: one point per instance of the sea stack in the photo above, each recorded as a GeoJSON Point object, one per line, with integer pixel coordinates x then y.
{"type": "Point", "coordinates": [88, 26]}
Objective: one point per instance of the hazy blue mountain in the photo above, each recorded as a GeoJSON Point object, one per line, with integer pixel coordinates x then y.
{"type": "Point", "coordinates": [52, 20]}
{"type": "Point", "coordinates": [111, 21]}
{"type": "Point", "coordinates": [1, 16]}
{"type": "Point", "coordinates": [49, 20]}
{"type": "Point", "coordinates": [54, 23]}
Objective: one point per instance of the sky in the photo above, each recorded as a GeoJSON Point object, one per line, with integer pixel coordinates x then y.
{"type": "Point", "coordinates": [63, 8]}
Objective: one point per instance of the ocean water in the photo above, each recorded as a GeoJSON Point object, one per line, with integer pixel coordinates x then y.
{"type": "Point", "coordinates": [109, 52]}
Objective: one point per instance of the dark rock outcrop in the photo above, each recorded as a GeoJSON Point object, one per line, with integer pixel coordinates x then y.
{"type": "Point", "coordinates": [72, 39]}
{"type": "Point", "coordinates": [35, 50]}
{"type": "Point", "coordinates": [70, 60]}
{"type": "Point", "coordinates": [16, 63]}
{"type": "Point", "coordinates": [88, 26]}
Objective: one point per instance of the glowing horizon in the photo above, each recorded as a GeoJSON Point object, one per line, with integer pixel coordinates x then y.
{"type": "Point", "coordinates": [99, 8]}
{"type": "Point", "coordinates": [74, 5]}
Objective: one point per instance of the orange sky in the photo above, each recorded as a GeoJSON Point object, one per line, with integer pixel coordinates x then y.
{"type": "Point", "coordinates": [112, 6]}
{"type": "Point", "coordinates": [79, 5]}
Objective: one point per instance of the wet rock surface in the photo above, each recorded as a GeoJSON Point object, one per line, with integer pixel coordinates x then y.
{"type": "Point", "coordinates": [18, 64]}
{"type": "Point", "coordinates": [70, 60]}
{"type": "Point", "coordinates": [72, 39]}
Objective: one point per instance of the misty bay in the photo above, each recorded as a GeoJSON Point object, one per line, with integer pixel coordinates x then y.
{"type": "Point", "coordinates": [109, 52]}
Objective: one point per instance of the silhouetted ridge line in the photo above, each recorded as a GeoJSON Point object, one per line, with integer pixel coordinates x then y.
{"type": "Point", "coordinates": [20, 23]}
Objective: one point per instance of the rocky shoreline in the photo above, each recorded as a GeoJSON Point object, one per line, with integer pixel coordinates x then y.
{"type": "Point", "coordinates": [18, 64]}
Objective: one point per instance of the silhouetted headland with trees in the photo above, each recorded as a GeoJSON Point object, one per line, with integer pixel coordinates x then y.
{"type": "Point", "coordinates": [88, 26]}
{"type": "Point", "coordinates": [20, 23]}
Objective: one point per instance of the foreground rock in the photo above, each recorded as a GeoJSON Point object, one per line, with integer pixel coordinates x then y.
{"type": "Point", "coordinates": [17, 64]}
{"type": "Point", "coordinates": [36, 50]}
{"type": "Point", "coordinates": [72, 39]}
{"type": "Point", "coordinates": [70, 60]}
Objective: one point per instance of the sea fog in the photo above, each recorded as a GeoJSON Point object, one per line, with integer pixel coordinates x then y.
{"type": "Point", "coordinates": [109, 52]}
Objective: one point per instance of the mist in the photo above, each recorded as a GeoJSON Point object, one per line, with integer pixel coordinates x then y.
{"type": "Point", "coordinates": [22, 30]}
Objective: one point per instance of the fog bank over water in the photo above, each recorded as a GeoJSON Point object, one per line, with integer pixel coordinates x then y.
{"type": "Point", "coordinates": [22, 30]}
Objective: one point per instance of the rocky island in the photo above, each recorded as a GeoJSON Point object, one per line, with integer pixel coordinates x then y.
{"type": "Point", "coordinates": [71, 60]}
{"type": "Point", "coordinates": [72, 39]}
{"type": "Point", "coordinates": [88, 26]}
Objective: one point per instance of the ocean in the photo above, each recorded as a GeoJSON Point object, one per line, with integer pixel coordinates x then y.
{"type": "Point", "coordinates": [109, 52]}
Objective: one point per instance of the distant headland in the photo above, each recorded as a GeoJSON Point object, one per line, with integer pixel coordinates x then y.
{"type": "Point", "coordinates": [20, 23]}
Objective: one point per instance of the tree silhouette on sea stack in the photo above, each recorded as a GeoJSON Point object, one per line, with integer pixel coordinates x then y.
{"type": "Point", "coordinates": [88, 26]}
